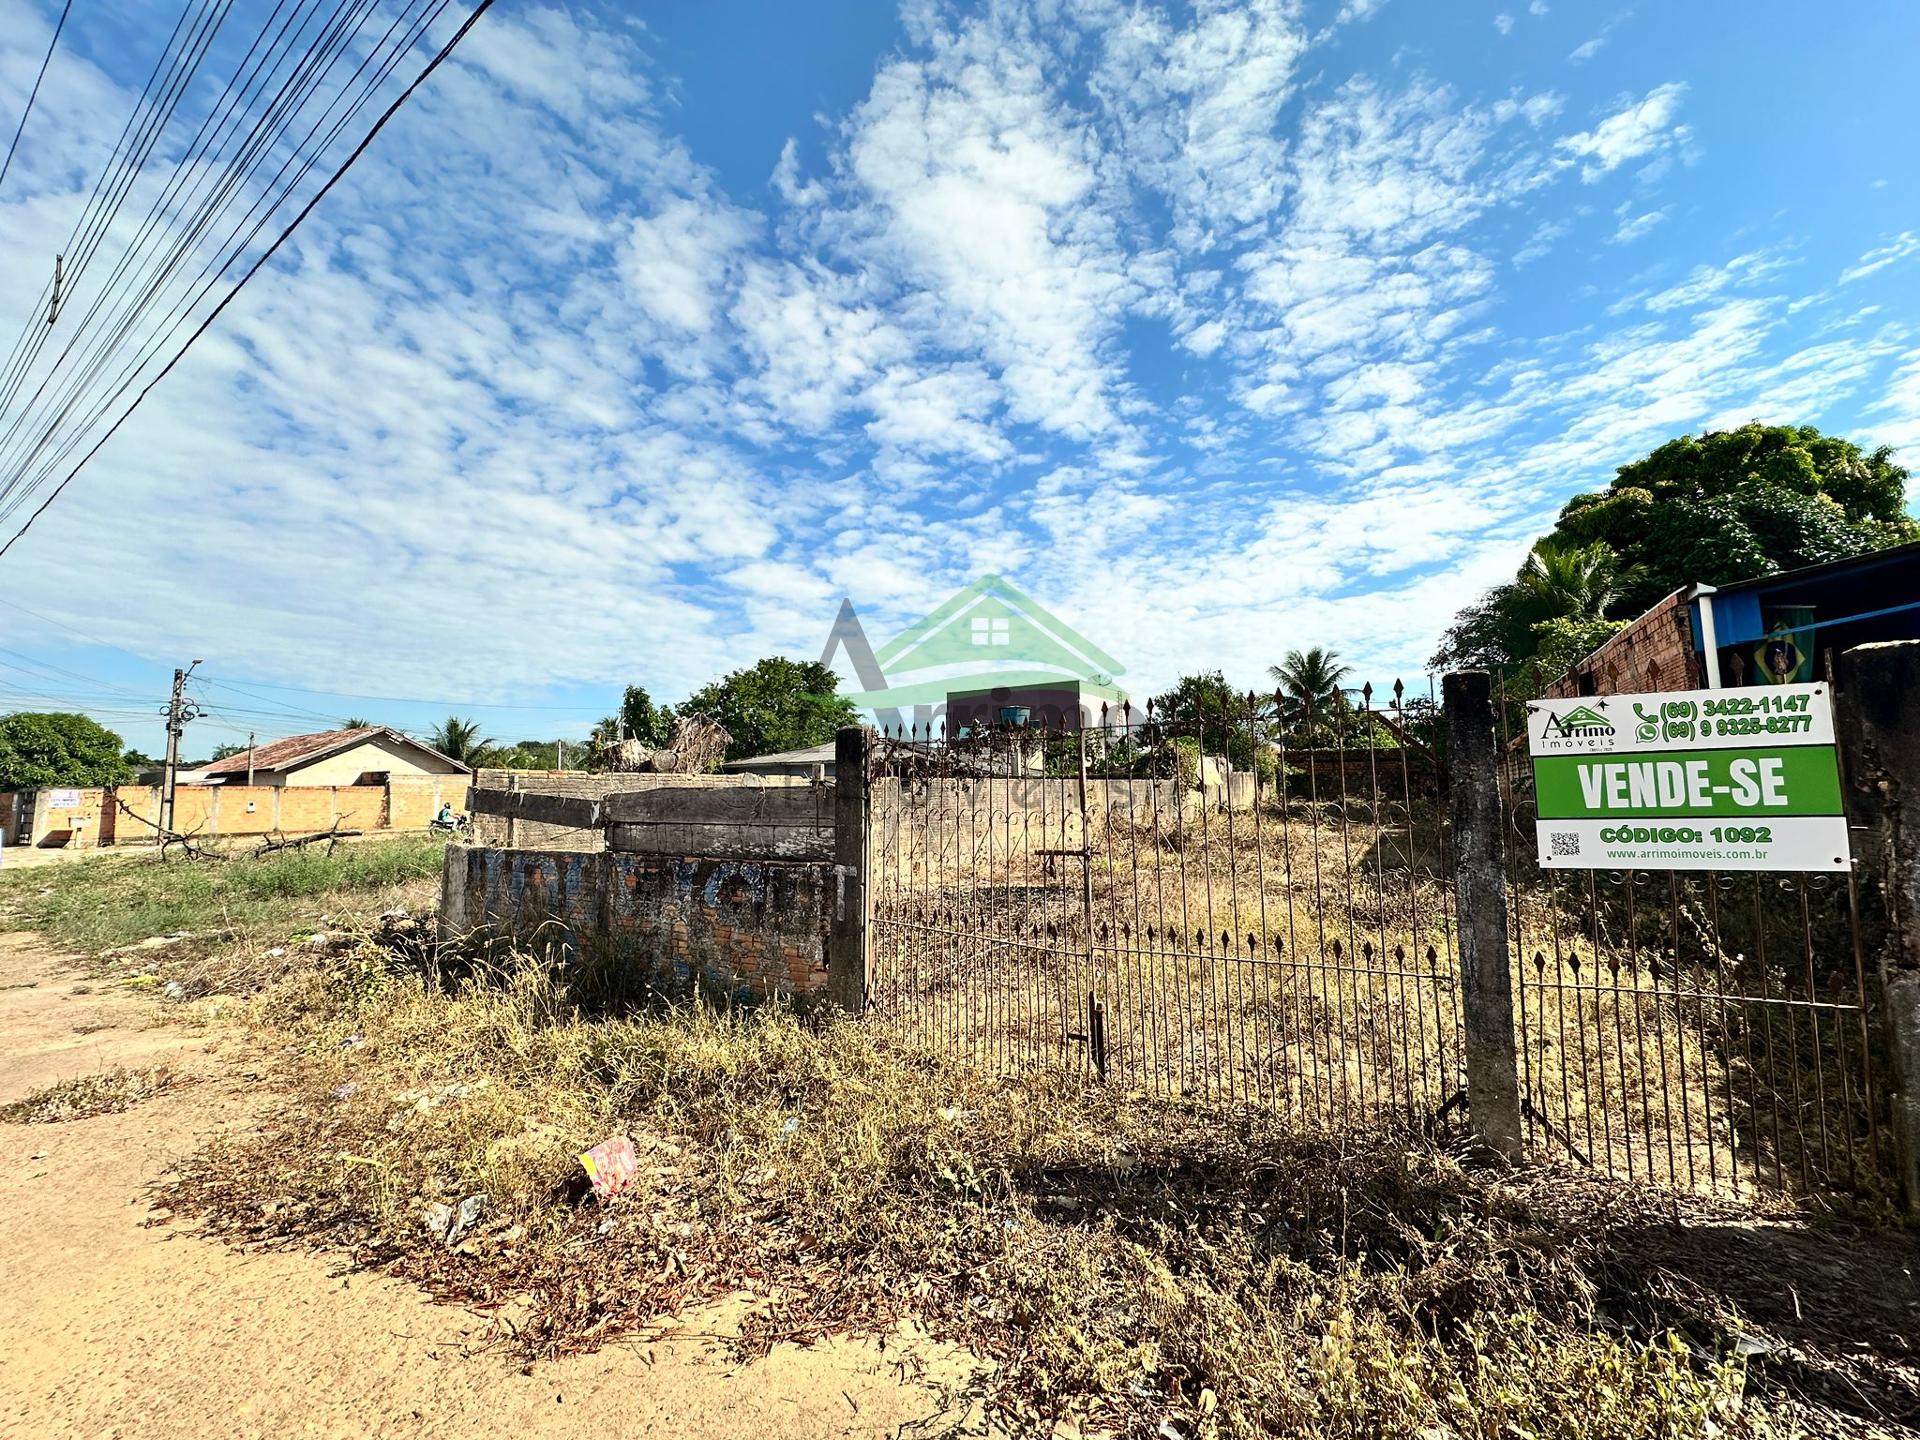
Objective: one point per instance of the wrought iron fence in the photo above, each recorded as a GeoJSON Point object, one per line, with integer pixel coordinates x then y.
{"type": "Point", "coordinates": [1702, 1030]}
{"type": "Point", "coordinates": [1250, 899]}
{"type": "Point", "coordinates": [1245, 900]}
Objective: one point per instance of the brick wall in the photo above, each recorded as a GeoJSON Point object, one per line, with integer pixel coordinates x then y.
{"type": "Point", "coordinates": [740, 929]}
{"type": "Point", "coordinates": [1654, 652]}
{"type": "Point", "coordinates": [408, 803]}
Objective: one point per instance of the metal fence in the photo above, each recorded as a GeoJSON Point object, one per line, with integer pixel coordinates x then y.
{"type": "Point", "coordinates": [1245, 901]}
{"type": "Point", "coordinates": [1250, 899]}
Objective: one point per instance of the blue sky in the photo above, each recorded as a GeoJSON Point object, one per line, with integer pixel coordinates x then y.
{"type": "Point", "coordinates": [647, 333]}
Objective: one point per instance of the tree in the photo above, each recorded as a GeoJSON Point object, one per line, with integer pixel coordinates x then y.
{"type": "Point", "coordinates": [1205, 707]}
{"type": "Point", "coordinates": [1710, 509]}
{"type": "Point", "coordinates": [650, 724]}
{"type": "Point", "coordinates": [774, 705]}
{"type": "Point", "coordinates": [1309, 680]}
{"type": "Point", "coordinates": [355, 723]}
{"type": "Point", "coordinates": [221, 752]}
{"type": "Point", "coordinates": [38, 750]}
{"type": "Point", "coordinates": [460, 740]}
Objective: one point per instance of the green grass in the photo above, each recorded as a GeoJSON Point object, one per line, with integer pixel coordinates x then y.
{"type": "Point", "coordinates": [98, 904]}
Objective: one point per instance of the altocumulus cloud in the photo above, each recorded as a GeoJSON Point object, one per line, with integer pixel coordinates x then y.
{"type": "Point", "coordinates": [1187, 318]}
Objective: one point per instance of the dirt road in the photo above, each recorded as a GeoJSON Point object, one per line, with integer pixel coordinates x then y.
{"type": "Point", "coordinates": [116, 1326]}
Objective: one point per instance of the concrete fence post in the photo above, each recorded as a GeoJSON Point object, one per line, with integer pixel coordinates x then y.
{"type": "Point", "coordinates": [1480, 895]}
{"type": "Point", "coordinates": [1880, 734]}
{"type": "Point", "coordinates": [847, 932]}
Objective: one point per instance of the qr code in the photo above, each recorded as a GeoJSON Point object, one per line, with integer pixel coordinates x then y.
{"type": "Point", "coordinates": [1565, 842]}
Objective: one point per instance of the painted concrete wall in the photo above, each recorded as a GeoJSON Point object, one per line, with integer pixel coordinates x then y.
{"type": "Point", "coordinates": [740, 929]}
{"type": "Point", "coordinates": [369, 757]}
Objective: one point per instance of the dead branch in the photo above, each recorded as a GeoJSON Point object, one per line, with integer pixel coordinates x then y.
{"type": "Point", "coordinates": [278, 841]}
{"type": "Point", "coordinates": [170, 838]}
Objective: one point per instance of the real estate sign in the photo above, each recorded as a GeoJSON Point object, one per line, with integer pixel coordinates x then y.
{"type": "Point", "coordinates": [1689, 780]}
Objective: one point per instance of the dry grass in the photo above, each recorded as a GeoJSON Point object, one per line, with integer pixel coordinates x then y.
{"type": "Point", "coordinates": [82, 1098]}
{"type": "Point", "coordinates": [1131, 1262]}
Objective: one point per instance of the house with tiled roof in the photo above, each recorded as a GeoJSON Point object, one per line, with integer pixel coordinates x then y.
{"type": "Point", "coordinates": [369, 755]}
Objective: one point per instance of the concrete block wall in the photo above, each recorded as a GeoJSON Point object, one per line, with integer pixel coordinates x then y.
{"type": "Point", "coordinates": [523, 834]}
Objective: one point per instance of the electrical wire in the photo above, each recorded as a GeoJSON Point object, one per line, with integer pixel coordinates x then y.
{"type": "Point", "coordinates": [34, 93]}
{"type": "Point", "coordinates": [260, 261]}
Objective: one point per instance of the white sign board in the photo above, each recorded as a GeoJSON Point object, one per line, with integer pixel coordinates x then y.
{"type": "Point", "coordinates": [1689, 780]}
{"type": "Point", "coordinates": [63, 799]}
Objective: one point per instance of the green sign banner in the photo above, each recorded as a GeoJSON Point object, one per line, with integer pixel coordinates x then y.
{"type": "Point", "coordinates": [1689, 780]}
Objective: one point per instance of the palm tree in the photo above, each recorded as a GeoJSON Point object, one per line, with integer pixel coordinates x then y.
{"type": "Point", "coordinates": [1573, 582]}
{"type": "Point", "coordinates": [354, 722]}
{"type": "Point", "coordinates": [459, 739]}
{"type": "Point", "coordinates": [1309, 680]}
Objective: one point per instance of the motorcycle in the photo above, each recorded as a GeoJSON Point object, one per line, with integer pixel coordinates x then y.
{"type": "Point", "coordinates": [458, 825]}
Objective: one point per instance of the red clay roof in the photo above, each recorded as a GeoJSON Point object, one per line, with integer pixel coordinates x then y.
{"type": "Point", "coordinates": [303, 749]}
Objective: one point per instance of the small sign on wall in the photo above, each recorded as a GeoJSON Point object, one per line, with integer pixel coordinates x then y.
{"type": "Point", "coordinates": [63, 799]}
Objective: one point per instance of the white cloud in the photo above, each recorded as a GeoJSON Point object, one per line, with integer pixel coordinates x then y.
{"type": "Point", "coordinates": [1645, 127]}
{"type": "Point", "coordinates": [1906, 243]}
{"type": "Point", "coordinates": [1632, 227]}
{"type": "Point", "coordinates": [1587, 49]}
{"type": "Point", "coordinates": [1503, 22]}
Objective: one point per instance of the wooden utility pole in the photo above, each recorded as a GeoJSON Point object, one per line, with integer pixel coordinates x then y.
{"type": "Point", "coordinates": [179, 711]}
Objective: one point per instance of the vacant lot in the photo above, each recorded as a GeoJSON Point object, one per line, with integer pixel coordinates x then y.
{"type": "Point", "coordinates": [1123, 1262]}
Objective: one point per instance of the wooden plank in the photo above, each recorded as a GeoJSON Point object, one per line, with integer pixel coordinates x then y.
{"type": "Point", "coordinates": [724, 842]}
{"type": "Point", "coordinates": [802, 805]}
{"type": "Point", "coordinates": [576, 811]}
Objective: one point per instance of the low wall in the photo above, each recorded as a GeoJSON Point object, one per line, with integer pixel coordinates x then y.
{"type": "Point", "coordinates": [733, 928]}
{"type": "Point", "coordinates": [519, 832]}
{"type": "Point", "coordinates": [93, 818]}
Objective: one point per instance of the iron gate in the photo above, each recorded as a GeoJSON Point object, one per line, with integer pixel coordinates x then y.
{"type": "Point", "coordinates": [1251, 902]}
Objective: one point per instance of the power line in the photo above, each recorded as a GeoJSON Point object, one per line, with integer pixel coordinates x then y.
{"type": "Point", "coordinates": [32, 94]}
{"type": "Point", "coordinates": [320, 55]}
{"type": "Point", "coordinates": [366, 141]}
{"type": "Point", "coordinates": [261, 685]}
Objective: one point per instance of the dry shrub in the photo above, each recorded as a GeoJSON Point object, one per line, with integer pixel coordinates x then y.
{"type": "Point", "coordinates": [82, 1098]}
{"type": "Point", "coordinates": [1125, 1259]}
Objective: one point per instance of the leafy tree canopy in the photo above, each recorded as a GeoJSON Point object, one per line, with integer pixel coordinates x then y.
{"type": "Point", "coordinates": [38, 750]}
{"type": "Point", "coordinates": [221, 752]}
{"type": "Point", "coordinates": [776, 704]}
{"type": "Point", "coordinates": [1207, 707]}
{"type": "Point", "coordinates": [1710, 509]}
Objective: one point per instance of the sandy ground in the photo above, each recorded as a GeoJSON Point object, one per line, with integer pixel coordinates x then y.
{"type": "Point", "coordinates": [115, 1326]}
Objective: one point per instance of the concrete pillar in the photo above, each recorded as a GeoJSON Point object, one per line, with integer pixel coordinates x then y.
{"type": "Point", "coordinates": [847, 932]}
{"type": "Point", "coordinates": [1880, 733]}
{"type": "Point", "coordinates": [1480, 896]}
{"type": "Point", "coordinates": [453, 892]}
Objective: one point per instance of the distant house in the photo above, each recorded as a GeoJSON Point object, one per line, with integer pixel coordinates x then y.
{"type": "Point", "coordinates": [797, 764]}
{"type": "Point", "coordinates": [1773, 629]}
{"type": "Point", "coordinates": [368, 756]}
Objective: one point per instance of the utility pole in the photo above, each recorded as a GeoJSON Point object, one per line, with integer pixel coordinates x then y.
{"type": "Point", "coordinates": [249, 759]}
{"type": "Point", "coordinates": [559, 754]}
{"type": "Point", "coordinates": [179, 711]}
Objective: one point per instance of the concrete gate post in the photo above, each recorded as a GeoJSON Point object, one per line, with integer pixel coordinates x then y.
{"type": "Point", "coordinates": [1480, 897]}
{"type": "Point", "coordinates": [1880, 731]}
{"type": "Point", "coordinates": [847, 932]}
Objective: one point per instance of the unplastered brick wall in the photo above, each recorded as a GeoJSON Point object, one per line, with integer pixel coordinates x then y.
{"type": "Point", "coordinates": [1654, 652]}
{"type": "Point", "coordinates": [734, 928]}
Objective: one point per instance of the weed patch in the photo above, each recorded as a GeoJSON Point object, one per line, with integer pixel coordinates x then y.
{"type": "Point", "coordinates": [102, 903]}
{"type": "Point", "coordinates": [1152, 1268]}
{"type": "Point", "coordinates": [107, 1093]}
